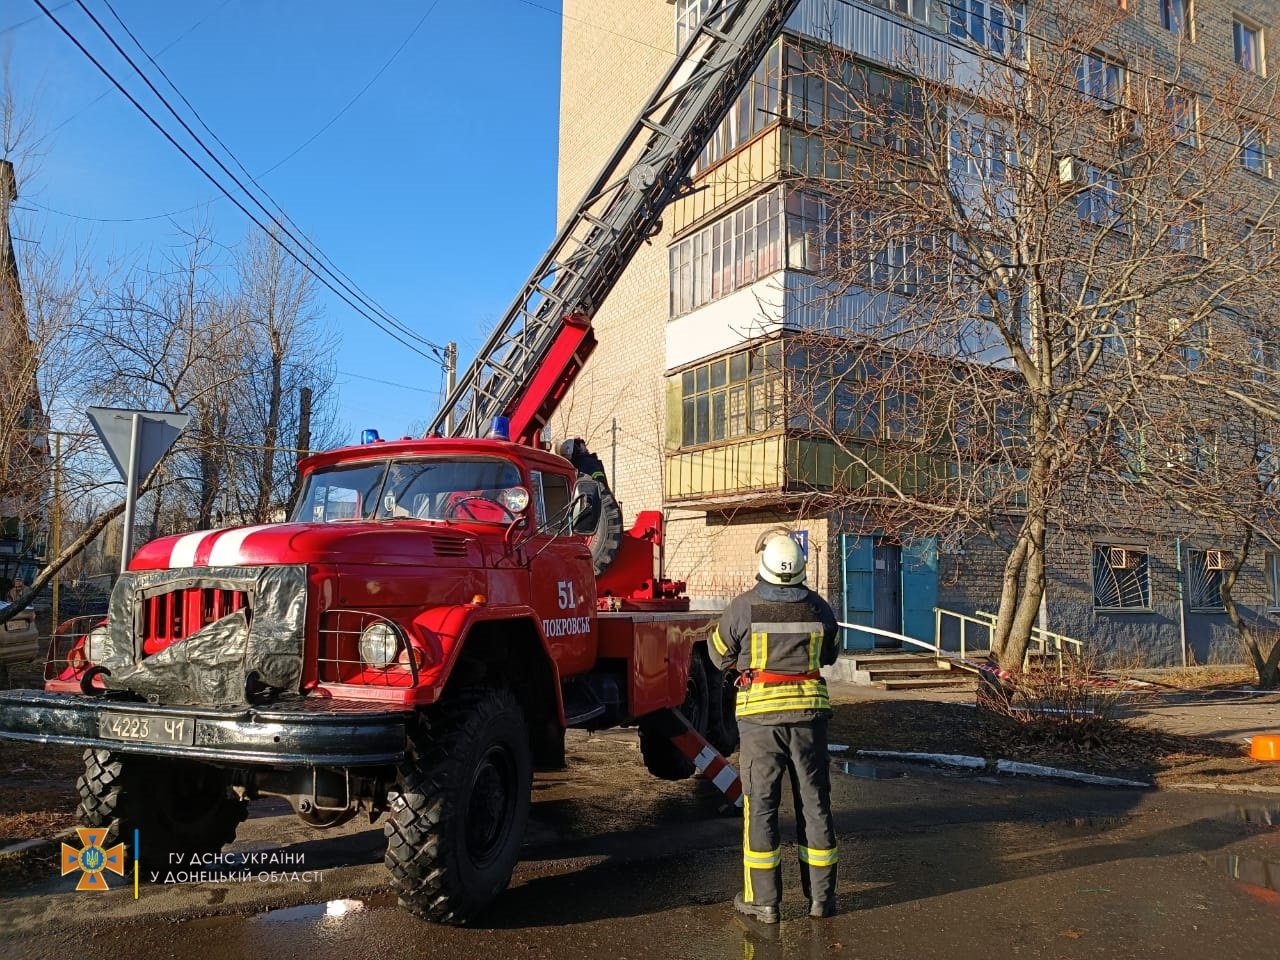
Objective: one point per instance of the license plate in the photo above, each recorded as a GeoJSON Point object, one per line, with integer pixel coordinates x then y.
{"type": "Point", "coordinates": [144, 729]}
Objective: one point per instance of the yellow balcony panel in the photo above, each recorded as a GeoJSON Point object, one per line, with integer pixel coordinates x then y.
{"type": "Point", "coordinates": [755, 164]}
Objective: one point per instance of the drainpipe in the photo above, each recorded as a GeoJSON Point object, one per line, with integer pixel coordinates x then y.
{"type": "Point", "coordinates": [1182, 610]}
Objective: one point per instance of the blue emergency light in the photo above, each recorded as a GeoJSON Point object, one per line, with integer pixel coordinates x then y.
{"type": "Point", "coordinates": [369, 436]}
{"type": "Point", "coordinates": [501, 429]}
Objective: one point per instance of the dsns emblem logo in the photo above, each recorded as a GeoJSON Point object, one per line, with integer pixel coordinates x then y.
{"type": "Point", "coordinates": [92, 860]}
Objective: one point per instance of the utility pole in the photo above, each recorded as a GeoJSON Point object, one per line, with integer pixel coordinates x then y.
{"type": "Point", "coordinates": [55, 534]}
{"type": "Point", "coordinates": [303, 445]}
{"type": "Point", "coordinates": [450, 380]}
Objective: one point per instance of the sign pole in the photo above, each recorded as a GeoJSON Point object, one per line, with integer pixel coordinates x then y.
{"type": "Point", "coordinates": [130, 493]}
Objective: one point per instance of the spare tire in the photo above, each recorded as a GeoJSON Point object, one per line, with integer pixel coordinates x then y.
{"type": "Point", "coordinates": [607, 539]}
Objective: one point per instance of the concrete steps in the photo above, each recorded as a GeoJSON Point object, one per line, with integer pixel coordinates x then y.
{"type": "Point", "coordinates": [899, 670]}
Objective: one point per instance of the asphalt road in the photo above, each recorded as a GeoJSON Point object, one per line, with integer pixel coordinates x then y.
{"type": "Point", "coordinates": [619, 865]}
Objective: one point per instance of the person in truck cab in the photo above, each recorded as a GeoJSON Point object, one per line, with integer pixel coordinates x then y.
{"type": "Point", "coordinates": [776, 636]}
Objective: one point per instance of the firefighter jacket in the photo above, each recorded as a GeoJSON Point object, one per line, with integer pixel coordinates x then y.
{"type": "Point", "coordinates": [777, 630]}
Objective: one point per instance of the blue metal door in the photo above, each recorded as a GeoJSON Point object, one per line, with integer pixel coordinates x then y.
{"type": "Point", "coordinates": [919, 588]}
{"type": "Point", "coordinates": [859, 604]}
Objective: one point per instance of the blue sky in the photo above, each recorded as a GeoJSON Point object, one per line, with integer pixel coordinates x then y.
{"type": "Point", "coordinates": [435, 192]}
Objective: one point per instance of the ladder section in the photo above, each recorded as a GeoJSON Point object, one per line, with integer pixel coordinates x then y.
{"type": "Point", "coordinates": [544, 337]}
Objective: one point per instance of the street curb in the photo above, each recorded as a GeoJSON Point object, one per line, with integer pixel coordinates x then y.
{"type": "Point", "coordinates": [945, 759]}
{"type": "Point", "coordinates": [1011, 767]}
{"type": "Point", "coordinates": [1059, 773]}
{"type": "Point", "coordinates": [35, 843]}
{"type": "Point", "coordinates": [1256, 788]}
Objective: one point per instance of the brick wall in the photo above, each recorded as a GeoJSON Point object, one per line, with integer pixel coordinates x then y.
{"type": "Point", "coordinates": [614, 51]}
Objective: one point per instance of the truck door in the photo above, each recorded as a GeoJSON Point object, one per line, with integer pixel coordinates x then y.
{"type": "Point", "coordinates": [563, 584]}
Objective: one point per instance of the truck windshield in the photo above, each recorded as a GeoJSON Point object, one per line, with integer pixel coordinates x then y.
{"type": "Point", "coordinates": [426, 488]}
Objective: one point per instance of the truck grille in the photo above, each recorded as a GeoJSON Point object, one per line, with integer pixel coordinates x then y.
{"type": "Point", "coordinates": [176, 615]}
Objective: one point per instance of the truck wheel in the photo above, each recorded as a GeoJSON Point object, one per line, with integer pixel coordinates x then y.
{"type": "Point", "coordinates": [176, 806]}
{"type": "Point", "coordinates": [661, 758]}
{"type": "Point", "coordinates": [607, 539]}
{"type": "Point", "coordinates": [459, 807]}
{"type": "Point", "coordinates": [723, 725]}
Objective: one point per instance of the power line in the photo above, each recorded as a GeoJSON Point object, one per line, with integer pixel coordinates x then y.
{"type": "Point", "coordinates": [168, 46]}
{"type": "Point", "coordinates": [363, 90]}
{"type": "Point", "coordinates": [213, 180]}
{"type": "Point", "coordinates": [385, 383]}
{"type": "Point", "coordinates": [330, 265]}
{"type": "Point", "coordinates": [22, 23]}
{"type": "Point", "coordinates": [36, 205]}
{"type": "Point", "coordinates": [564, 16]}
{"type": "Point", "coordinates": [345, 282]}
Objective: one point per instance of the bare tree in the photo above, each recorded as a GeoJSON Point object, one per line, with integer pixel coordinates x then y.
{"type": "Point", "coordinates": [1037, 307]}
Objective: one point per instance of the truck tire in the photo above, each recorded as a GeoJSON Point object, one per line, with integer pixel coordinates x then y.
{"type": "Point", "coordinates": [459, 807]}
{"type": "Point", "coordinates": [177, 806]}
{"type": "Point", "coordinates": [723, 725]}
{"type": "Point", "coordinates": [661, 758]}
{"type": "Point", "coordinates": [607, 539]}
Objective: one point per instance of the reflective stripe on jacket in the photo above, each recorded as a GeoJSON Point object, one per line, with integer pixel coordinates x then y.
{"type": "Point", "coordinates": [788, 630]}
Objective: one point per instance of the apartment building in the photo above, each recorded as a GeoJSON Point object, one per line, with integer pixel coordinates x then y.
{"type": "Point", "coordinates": [23, 425]}
{"type": "Point", "coordinates": [687, 392]}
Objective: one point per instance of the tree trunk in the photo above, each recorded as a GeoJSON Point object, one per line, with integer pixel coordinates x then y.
{"type": "Point", "coordinates": [303, 445]}
{"type": "Point", "coordinates": [266, 480]}
{"type": "Point", "coordinates": [1010, 586]}
{"type": "Point", "coordinates": [1266, 663]}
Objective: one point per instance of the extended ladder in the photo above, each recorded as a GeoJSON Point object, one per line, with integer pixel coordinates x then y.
{"type": "Point", "coordinates": [537, 349]}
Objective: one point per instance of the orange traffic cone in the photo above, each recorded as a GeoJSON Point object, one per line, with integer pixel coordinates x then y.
{"type": "Point", "coordinates": [1265, 746]}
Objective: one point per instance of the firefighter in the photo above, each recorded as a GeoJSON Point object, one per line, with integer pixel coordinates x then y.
{"type": "Point", "coordinates": [777, 635]}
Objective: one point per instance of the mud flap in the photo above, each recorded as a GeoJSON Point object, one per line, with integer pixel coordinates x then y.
{"type": "Point", "coordinates": [706, 759]}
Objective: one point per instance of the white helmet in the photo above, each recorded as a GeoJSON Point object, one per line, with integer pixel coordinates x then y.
{"type": "Point", "coordinates": [781, 560]}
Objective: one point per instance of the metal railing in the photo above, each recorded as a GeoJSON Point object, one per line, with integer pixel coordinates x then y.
{"type": "Point", "coordinates": [1041, 640]}
{"type": "Point", "coordinates": [965, 619]}
{"type": "Point", "coordinates": [900, 637]}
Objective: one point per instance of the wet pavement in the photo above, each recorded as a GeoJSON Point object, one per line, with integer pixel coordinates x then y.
{"type": "Point", "coordinates": [933, 864]}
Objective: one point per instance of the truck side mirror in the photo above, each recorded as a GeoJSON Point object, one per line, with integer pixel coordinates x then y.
{"type": "Point", "coordinates": [585, 511]}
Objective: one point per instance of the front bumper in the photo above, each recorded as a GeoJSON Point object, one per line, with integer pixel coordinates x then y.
{"type": "Point", "coordinates": [310, 732]}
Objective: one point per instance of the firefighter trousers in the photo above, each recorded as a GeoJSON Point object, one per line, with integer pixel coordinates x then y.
{"type": "Point", "coordinates": [768, 753]}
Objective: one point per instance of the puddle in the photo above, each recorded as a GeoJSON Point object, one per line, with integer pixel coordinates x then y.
{"type": "Point", "coordinates": [867, 771]}
{"type": "Point", "coordinates": [1103, 822]}
{"type": "Point", "coordinates": [332, 910]}
{"type": "Point", "coordinates": [1260, 815]}
{"type": "Point", "coordinates": [1252, 872]}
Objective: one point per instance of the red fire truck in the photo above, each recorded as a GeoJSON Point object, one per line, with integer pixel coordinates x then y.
{"type": "Point", "coordinates": [419, 635]}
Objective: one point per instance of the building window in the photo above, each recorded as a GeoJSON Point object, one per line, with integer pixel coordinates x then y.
{"type": "Point", "coordinates": [755, 108]}
{"type": "Point", "coordinates": [1204, 579]}
{"type": "Point", "coordinates": [1268, 458]}
{"type": "Point", "coordinates": [861, 103]}
{"type": "Point", "coordinates": [812, 239]}
{"type": "Point", "coordinates": [1248, 46]}
{"type": "Point", "coordinates": [980, 155]}
{"type": "Point", "coordinates": [689, 14]}
{"type": "Point", "coordinates": [1175, 16]}
{"type": "Point", "coordinates": [903, 259]}
{"type": "Point", "coordinates": [1202, 452]}
{"type": "Point", "coordinates": [1253, 150]}
{"type": "Point", "coordinates": [1100, 202]}
{"type": "Point", "coordinates": [1186, 234]}
{"type": "Point", "coordinates": [1100, 79]}
{"type": "Point", "coordinates": [1192, 342]}
{"type": "Point", "coordinates": [995, 25]}
{"type": "Point", "coordinates": [734, 396]}
{"type": "Point", "coordinates": [914, 9]}
{"type": "Point", "coordinates": [1272, 562]}
{"type": "Point", "coordinates": [731, 253]}
{"type": "Point", "coordinates": [1259, 245]}
{"type": "Point", "coordinates": [1184, 116]}
{"type": "Point", "coordinates": [1121, 578]}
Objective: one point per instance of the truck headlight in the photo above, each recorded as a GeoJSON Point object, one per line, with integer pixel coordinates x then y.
{"type": "Point", "coordinates": [95, 643]}
{"type": "Point", "coordinates": [379, 644]}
